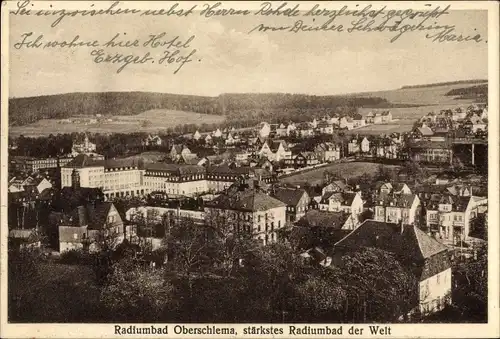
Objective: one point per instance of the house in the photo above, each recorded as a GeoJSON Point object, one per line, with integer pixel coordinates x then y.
{"type": "Point", "coordinates": [314, 123]}
{"type": "Point", "coordinates": [265, 130]}
{"type": "Point", "coordinates": [348, 202]}
{"type": "Point", "coordinates": [386, 116]}
{"type": "Point", "coordinates": [276, 151]}
{"type": "Point", "coordinates": [336, 186]}
{"type": "Point", "coordinates": [296, 199]}
{"type": "Point", "coordinates": [281, 130]}
{"type": "Point", "coordinates": [385, 148]}
{"type": "Point", "coordinates": [230, 140]}
{"type": "Point", "coordinates": [303, 159]}
{"type": "Point", "coordinates": [217, 133]}
{"type": "Point", "coordinates": [373, 118]}
{"type": "Point", "coordinates": [324, 127]}
{"type": "Point", "coordinates": [178, 150]}
{"type": "Point", "coordinates": [24, 238]}
{"type": "Point", "coordinates": [152, 140]}
{"type": "Point", "coordinates": [423, 132]}
{"type": "Point", "coordinates": [339, 220]}
{"type": "Point", "coordinates": [425, 258]}
{"type": "Point", "coordinates": [208, 139]}
{"type": "Point", "coordinates": [448, 219]}
{"type": "Point", "coordinates": [358, 121]}
{"type": "Point", "coordinates": [365, 145]}
{"type": "Point", "coordinates": [346, 123]}
{"type": "Point", "coordinates": [395, 208]}
{"type": "Point", "coordinates": [90, 227]}
{"type": "Point", "coordinates": [196, 135]}
{"type": "Point", "coordinates": [431, 151]}
{"type": "Point", "coordinates": [304, 130]}
{"type": "Point", "coordinates": [354, 146]}
{"type": "Point", "coordinates": [249, 210]}
{"type": "Point", "coordinates": [327, 152]}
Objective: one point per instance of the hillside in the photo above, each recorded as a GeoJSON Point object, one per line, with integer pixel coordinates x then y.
{"type": "Point", "coordinates": [448, 83]}
{"type": "Point", "coordinates": [423, 95]}
{"type": "Point", "coordinates": [23, 111]}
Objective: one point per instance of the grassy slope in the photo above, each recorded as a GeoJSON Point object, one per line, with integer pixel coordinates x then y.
{"type": "Point", "coordinates": [346, 170]}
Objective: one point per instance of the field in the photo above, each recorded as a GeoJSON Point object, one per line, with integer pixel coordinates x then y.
{"type": "Point", "coordinates": [434, 95]}
{"type": "Point", "coordinates": [405, 118]}
{"type": "Point", "coordinates": [346, 170]}
{"type": "Point", "coordinates": [150, 122]}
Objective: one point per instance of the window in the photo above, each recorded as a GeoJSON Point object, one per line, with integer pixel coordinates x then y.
{"type": "Point", "coordinates": [75, 236]}
{"type": "Point", "coordinates": [437, 278]}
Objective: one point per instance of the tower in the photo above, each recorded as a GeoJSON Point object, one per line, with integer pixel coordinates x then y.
{"type": "Point", "coordinates": [75, 179]}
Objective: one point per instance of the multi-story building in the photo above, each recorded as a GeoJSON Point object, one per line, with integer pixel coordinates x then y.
{"type": "Point", "coordinates": [175, 179]}
{"type": "Point", "coordinates": [248, 210]}
{"type": "Point", "coordinates": [296, 199]}
{"type": "Point", "coordinates": [348, 202]}
{"type": "Point", "coordinates": [431, 151]}
{"type": "Point", "coordinates": [115, 177]}
{"type": "Point", "coordinates": [220, 178]}
{"type": "Point", "coordinates": [449, 218]}
{"type": "Point", "coordinates": [30, 164]}
{"type": "Point", "coordinates": [427, 259]}
{"type": "Point", "coordinates": [395, 208]}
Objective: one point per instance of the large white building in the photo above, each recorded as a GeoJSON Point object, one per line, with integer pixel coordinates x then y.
{"type": "Point", "coordinates": [115, 177]}
{"type": "Point", "coordinates": [175, 179]}
{"type": "Point", "coordinates": [250, 210]}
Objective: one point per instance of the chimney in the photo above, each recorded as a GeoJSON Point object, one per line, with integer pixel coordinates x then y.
{"type": "Point", "coordinates": [82, 219]}
{"type": "Point", "coordinates": [402, 227]}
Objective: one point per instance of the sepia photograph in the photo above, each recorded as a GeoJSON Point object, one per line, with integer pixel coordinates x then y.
{"type": "Point", "coordinates": [266, 164]}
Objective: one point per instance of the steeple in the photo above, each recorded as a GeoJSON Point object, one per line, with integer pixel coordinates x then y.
{"type": "Point", "coordinates": [75, 179]}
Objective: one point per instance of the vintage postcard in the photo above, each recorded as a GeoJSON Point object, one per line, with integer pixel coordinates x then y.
{"type": "Point", "coordinates": [249, 169]}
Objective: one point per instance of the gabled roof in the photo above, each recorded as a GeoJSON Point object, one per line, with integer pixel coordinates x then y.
{"type": "Point", "coordinates": [425, 131]}
{"type": "Point", "coordinates": [290, 196]}
{"type": "Point", "coordinates": [251, 200]}
{"type": "Point", "coordinates": [406, 241]}
{"type": "Point", "coordinates": [344, 198]}
{"type": "Point", "coordinates": [316, 218]}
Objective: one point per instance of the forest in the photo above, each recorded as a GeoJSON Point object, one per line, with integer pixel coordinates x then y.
{"type": "Point", "coordinates": [479, 92]}
{"type": "Point", "coordinates": [237, 107]}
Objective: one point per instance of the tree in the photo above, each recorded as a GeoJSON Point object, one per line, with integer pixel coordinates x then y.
{"type": "Point", "coordinates": [135, 293]}
{"type": "Point", "coordinates": [24, 280]}
{"type": "Point", "coordinates": [378, 287]}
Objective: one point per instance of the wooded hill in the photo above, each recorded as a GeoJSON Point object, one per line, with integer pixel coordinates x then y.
{"type": "Point", "coordinates": [448, 83]}
{"type": "Point", "coordinates": [27, 110]}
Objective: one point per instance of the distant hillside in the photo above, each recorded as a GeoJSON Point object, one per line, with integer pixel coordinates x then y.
{"type": "Point", "coordinates": [424, 95]}
{"type": "Point", "coordinates": [438, 84]}
{"type": "Point", "coordinates": [479, 93]}
{"type": "Point", "coordinates": [23, 111]}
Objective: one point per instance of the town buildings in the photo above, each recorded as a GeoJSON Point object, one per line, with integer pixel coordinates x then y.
{"type": "Point", "coordinates": [250, 210]}
{"type": "Point", "coordinates": [116, 177]}
{"type": "Point", "coordinates": [424, 257]}
{"type": "Point", "coordinates": [296, 199]}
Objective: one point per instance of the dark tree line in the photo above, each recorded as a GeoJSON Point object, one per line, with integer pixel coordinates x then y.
{"type": "Point", "coordinates": [27, 110]}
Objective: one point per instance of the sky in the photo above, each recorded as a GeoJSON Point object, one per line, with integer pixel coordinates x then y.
{"type": "Point", "coordinates": [228, 59]}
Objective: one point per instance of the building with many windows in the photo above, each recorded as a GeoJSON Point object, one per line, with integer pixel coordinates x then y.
{"type": "Point", "coordinates": [175, 179]}
{"type": "Point", "coordinates": [115, 177]}
{"type": "Point", "coordinates": [250, 210]}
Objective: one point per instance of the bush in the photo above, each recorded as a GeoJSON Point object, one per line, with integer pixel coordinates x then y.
{"type": "Point", "coordinates": [76, 257]}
